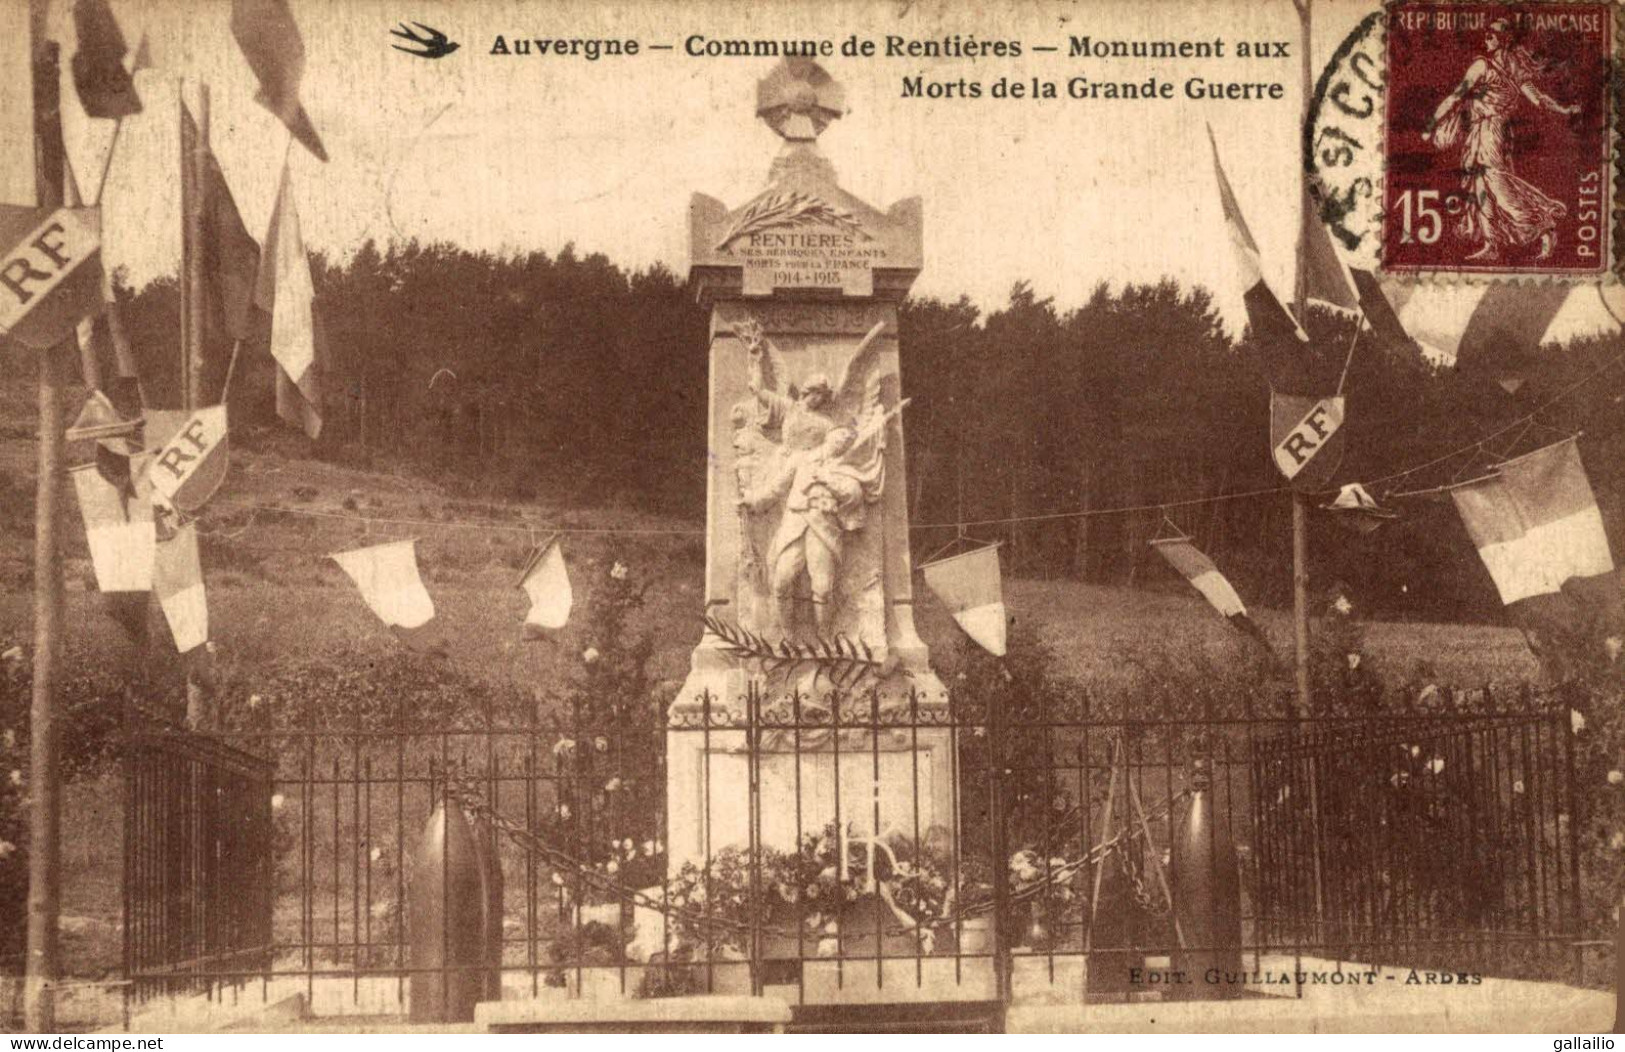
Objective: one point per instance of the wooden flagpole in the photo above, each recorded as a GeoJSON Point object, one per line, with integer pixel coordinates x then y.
{"type": "Point", "coordinates": [1300, 301]}
{"type": "Point", "coordinates": [43, 965]}
{"type": "Point", "coordinates": [195, 187]}
{"type": "Point", "coordinates": [1300, 502]}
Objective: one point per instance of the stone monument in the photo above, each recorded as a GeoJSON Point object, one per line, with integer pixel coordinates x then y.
{"type": "Point", "coordinates": [807, 540]}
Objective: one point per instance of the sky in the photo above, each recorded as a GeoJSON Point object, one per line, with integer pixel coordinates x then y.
{"type": "Point", "coordinates": [515, 153]}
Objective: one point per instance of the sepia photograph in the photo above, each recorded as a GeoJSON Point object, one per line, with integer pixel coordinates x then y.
{"type": "Point", "coordinates": [811, 517]}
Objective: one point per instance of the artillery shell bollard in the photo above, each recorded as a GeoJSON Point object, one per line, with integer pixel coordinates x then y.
{"type": "Point", "coordinates": [1207, 895]}
{"type": "Point", "coordinates": [450, 904]}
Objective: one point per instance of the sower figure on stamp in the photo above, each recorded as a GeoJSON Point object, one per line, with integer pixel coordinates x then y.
{"type": "Point", "coordinates": [1503, 210]}
{"type": "Point", "coordinates": [830, 465]}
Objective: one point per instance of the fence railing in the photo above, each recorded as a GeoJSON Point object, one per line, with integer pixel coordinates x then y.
{"type": "Point", "coordinates": [864, 850]}
{"type": "Point", "coordinates": [198, 854]}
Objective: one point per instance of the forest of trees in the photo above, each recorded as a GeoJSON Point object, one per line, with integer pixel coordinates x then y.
{"type": "Point", "coordinates": [568, 380]}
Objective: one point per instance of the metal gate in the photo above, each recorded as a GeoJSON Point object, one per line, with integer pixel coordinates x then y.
{"type": "Point", "coordinates": [1443, 842]}
{"type": "Point", "coordinates": [198, 860]}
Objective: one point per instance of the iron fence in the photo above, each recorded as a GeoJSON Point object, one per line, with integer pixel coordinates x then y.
{"type": "Point", "coordinates": [198, 893]}
{"type": "Point", "coordinates": [848, 851]}
{"type": "Point", "coordinates": [1444, 843]}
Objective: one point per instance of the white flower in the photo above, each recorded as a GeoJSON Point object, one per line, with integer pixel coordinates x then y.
{"type": "Point", "coordinates": [612, 785]}
{"type": "Point", "coordinates": [277, 800]}
{"type": "Point", "coordinates": [564, 810]}
{"type": "Point", "coordinates": [253, 701]}
{"type": "Point", "coordinates": [1577, 720]}
{"type": "Point", "coordinates": [618, 571]}
{"type": "Point", "coordinates": [627, 844]}
{"type": "Point", "coordinates": [376, 853]}
{"type": "Point", "coordinates": [1354, 661]}
{"type": "Point", "coordinates": [1399, 779]}
{"type": "Point", "coordinates": [589, 655]}
{"type": "Point", "coordinates": [9, 739]}
{"type": "Point", "coordinates": [1617, 841]}
{"type": "Point", "coordinates": [1343, 606]}
{"type": "Point", "coordinates": [612, 867]}
{"type": "Point", "coordinates": [16, 776]}
{"type": "Point", "coordinates": [648, 847]}
{"type": "Point", "coordinates": [558, 880]}
{"type": "Point", "coordinates": [6, 848]}
{"type": "Point", "coordinates": [601, 743]}
{"type": "Point", "coordinates": [1615, 777]}
{"type": "Point", "coordinates": [564, 745]}
{"type": "Point", "coordinates": [1436, 765]}
{"type": "Point", "coordinates": [1416, 750]}
{"type": "Point", "coordinates": [1517, 786]}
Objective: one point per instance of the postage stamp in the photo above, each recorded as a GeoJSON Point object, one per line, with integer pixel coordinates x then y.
{"type": "Point", "coordinates": [1497, 139]}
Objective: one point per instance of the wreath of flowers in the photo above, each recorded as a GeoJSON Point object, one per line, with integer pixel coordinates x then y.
{"type": "Point", "coordinates": [800, 893]}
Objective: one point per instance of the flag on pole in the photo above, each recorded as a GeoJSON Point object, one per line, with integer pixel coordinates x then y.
{"type": "Point", "coordinates": [190, 466]}
{"type": "Point", "coordinates": [50, 272]}
{"type": "Point", "coordinates": [231, 260]}
{"type": "Point", "coordinates": [120, 386]}
{"type": "Point", "coordinates": [1330, 283]}
{"type": "Point", "coordinates": [388, 579]}
{"type": "Point", "coordinates": [105, 88]}
{"type": "Point", "coordinates": [177, 577]}
{"type": "Point", "coordinates": [1283, 342]}
{"type": "Point", "coordinates": [270, 41]}
{"type": "Point", "coordinates": [547, 582]}
{"type": "Point", "coordinates": [1307, 433]}
{"type": "Point", "coordinates": [284, 289]}
{"type": "Point", "coordinates": [1377, 306]}
{"type": "Point", "coordinates": [231, 256]}
{"type": "Point", "coordinates": [118, 531]}
{"type": "Point", "coordinates": [969, 586]}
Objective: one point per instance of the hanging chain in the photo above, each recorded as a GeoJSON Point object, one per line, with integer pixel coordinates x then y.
{"type": "Point", "coordinates": [1155, 907]}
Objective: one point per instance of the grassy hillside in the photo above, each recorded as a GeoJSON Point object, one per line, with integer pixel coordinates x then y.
{"type": "Point", "coordinates": [273, 593]}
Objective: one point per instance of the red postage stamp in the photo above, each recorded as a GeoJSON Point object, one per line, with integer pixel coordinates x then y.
{"type": "Point", "coordinates": [1498, 139]}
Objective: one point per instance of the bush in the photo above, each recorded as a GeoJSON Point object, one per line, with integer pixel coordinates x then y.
{"type": "Point", "coordinates": [90, 706]}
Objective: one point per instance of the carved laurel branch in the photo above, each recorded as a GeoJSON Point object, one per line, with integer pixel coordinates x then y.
{"type": "Point", "coordinates": [790, 209]}
{"type": "Point", "coordinates": [846, 663]}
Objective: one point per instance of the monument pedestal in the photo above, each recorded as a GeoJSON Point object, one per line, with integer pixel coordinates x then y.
{"type": "Point", "coordinates": [807, 542]}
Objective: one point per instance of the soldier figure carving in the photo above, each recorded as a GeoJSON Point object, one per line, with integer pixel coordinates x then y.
{"type": "Point", "coordinates": [826, 467]}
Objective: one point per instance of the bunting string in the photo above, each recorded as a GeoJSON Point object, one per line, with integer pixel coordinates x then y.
{"type": "Point", "coordinates": [529, 529]}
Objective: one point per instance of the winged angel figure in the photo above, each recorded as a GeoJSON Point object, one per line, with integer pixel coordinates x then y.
{"type": "Point", "coordinates": [821, 473]}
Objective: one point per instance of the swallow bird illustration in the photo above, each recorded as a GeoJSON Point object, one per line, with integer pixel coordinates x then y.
{"type": "Point", "coordinates": [432, 44]}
